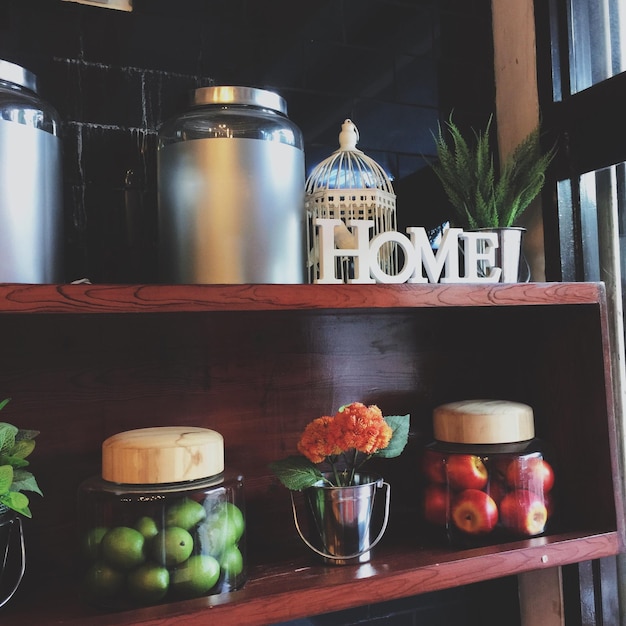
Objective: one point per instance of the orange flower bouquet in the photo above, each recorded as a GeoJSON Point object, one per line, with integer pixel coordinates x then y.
{"type": "Point", "coordinates": [343, 442]}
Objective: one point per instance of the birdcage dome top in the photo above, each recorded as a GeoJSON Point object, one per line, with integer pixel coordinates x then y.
{"type": "Point", "coordinates": [348, 167]}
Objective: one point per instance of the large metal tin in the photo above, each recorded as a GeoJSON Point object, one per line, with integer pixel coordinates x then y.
{"type": "Point", "coordinates": [30, 182]}
{"type": "Point", "coordinates": [231, 191]}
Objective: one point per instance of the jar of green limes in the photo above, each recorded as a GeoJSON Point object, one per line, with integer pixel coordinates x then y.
{"type": "Point", "coordinates": [164, 522]}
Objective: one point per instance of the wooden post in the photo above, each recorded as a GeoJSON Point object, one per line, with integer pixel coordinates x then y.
{"type": "Point", "coordinates": [517, 103]}
{"type": "Point", "coordinates": [517, 114]}
{"type": "Point", "coordinates": [541, 598]}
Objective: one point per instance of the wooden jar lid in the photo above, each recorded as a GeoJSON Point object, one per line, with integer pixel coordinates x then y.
{"type": "Point", "coordinates": [169, 454]}
{"type": "Point", "coordinates": [483, 421]}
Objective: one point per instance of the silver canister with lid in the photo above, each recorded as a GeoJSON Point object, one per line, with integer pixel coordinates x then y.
{"type": "Point", "coordinates": [231, 190]}
{"type": "Point", "coordinates": [30, 181]}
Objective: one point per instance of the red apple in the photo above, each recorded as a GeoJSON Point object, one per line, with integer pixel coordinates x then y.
{"type": "Point", "coordinates": [524, 512]}
{"type": "Point", "coordinates": [474, 512]}
{"type": "Point", "coordinates": [433, 466]}
{"type": "Point", "coordinates": [436, 505]}
{"type": "Point", "coordinates": [532, 473]}
{"type": "Point", "coordinates": [466, 471]}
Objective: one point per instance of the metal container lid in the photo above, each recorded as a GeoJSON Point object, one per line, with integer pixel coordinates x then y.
{"type": "Point", "coordinates": [483, 422]}
{"type": "Point", "coordinates": [169, 454]}
{"type": "Point", "coordinates": [18, 75]}
{"type": "Point", "coordinates": [240, 95]}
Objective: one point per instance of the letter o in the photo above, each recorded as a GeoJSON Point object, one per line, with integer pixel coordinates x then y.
{"type": "Point", "coordinates": [409, 257]}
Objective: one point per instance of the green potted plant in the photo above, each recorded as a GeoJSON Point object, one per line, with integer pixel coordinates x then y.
{"type": "Point", "coordinates": [482, 196]}
{"type": "Point", "coordinates": [16, 445]}
{"type": "Point", "coordinates": [487, 198]}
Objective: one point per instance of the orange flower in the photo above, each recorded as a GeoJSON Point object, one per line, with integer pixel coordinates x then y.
{"type": "Point", "coordinates": [343, 442]}
{"type": "Point", "coordinates": [319, 440]}
{"type": "Point", "coordinates": [362, 428]}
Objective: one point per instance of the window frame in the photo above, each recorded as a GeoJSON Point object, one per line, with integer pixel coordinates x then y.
{"type": "Point", "coordinates": [589, 128]}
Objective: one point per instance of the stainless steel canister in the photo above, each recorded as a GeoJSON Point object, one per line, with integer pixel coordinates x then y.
{"type": "Point", "coordinates": [30, 181]}
{"type": "Point", "coordinates": [231, 190]}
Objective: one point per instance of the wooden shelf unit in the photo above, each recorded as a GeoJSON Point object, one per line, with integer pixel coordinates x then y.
{"type": "Point", "coordinates": [257, 362]}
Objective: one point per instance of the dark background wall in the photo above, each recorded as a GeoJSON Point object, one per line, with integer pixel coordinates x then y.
{"type": "Point", "coordinates": [395, 67]}
{"type": "Point", "coordinates": [392, 66]}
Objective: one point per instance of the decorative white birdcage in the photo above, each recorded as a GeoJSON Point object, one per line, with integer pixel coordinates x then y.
{"type": "Point", "coordinates": [349, 185]}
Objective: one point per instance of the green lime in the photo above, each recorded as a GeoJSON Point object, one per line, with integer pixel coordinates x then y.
{"type": "Point", "coordinates": [231, 562]}
{"type": "Point", "coordinates": [185, 513]}
{"type": "Point", "coordinates": [102, 581]}
{"type": "Point", "coordinates": [196, 577]}
{"type": "Point", "coordinates": [222, 529]}
{"type": "Point", "coordinates": [147, 527]}
{"type": "Point", "coordinates": [148, 583]}
{"type": "Point", "coordinates": [123, 547]}
{"type": "Point", "coordinates": [91, 542]}
{"type": "Point", "coordinates": [213, 538]}
{"type": "Point", "coordinates": [172, 546]}
{"type": "Point", "coordinates": [232, 517]}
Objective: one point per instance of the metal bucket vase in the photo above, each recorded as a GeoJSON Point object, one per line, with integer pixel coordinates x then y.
{"type": "Point", "coordinates": [12, 554]}
{"type": "Point", "coordinates": [508, 255]}
{"type": "Point", "coordinates": [340, 519]}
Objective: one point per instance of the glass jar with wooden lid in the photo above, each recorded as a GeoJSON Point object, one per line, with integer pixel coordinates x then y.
{"type": "Point", "coordinates": [164, 522]}
{"type": "Point", "coordinates": [486, 477]}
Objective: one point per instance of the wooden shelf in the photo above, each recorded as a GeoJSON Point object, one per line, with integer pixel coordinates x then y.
{"type": "Point", "coordinates": [257, 362]}
{"type": "Point", "coordinates": [299, 588]}
{"type": "Point", "coordinates": [81, 299]}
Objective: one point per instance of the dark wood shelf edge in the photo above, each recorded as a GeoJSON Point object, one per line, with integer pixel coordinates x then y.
{"type": "Point", "coordinates": [109, 298]}
{"type": "Point", "coordinates": [286, 591]}
{"type": "Point", "coordinates": [383, 580]}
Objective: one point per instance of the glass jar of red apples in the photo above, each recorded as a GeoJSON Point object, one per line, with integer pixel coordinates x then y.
{"type": "Point", "coordinates": [486, 477]}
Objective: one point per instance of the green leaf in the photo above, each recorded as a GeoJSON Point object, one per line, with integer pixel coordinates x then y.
{"type": "Point", "coordinates": [400, 426]}
{"type": "Point", "coordinates": [16, 501]}
{"type": "Point", "coordinates": [24, 433]}
{"type": "Point", "coordinates": [6, 478]}
{"type": "Point", "coordinates": [25, 481]}
{"type": "Point", "coordinates": [22, 448]}
{"type": "Point", "coordinates": [7, 436]}
{"type": "Point", "coordinates": [296, 472]}
{"type": "Point", "coordinates": [15, 461]}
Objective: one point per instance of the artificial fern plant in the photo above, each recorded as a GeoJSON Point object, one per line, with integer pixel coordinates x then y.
{"type": "Point", "coordinates": [481, 196]}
